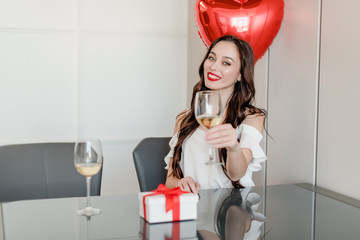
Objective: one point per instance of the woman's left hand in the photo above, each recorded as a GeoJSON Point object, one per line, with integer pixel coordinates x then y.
{"type": "Point", "coordinates": [223, 136]}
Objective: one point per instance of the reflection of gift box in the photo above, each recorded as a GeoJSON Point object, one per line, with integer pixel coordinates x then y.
{"type": "Point", "coordinates": [166, 205]}
{"type": "Point", "coordinates": [170, 230]}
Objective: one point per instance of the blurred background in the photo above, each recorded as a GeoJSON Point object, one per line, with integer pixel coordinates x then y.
{"type": "Point", "coordinates": [122, 70]}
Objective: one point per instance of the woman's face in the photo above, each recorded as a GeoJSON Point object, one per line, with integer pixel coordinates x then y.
{"type": "Point", "coordinates": [222, 67]}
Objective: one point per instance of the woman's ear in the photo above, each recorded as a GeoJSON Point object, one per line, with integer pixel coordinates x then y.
{"type": "Point", "coordinates": [238, 78]}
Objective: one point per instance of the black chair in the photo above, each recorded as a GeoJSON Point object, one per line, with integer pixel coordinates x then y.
{"type": "Point", "coordinates": [149, 162]}
{"type": "Point", "coordinates": [41, 170]}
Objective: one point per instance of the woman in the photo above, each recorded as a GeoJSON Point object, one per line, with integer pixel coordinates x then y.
{"type": "Point", "coordinates": [228, 67]}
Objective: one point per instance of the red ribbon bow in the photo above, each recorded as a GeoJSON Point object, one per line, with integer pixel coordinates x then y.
{"type": "Point", "coordinates": [172, 199]}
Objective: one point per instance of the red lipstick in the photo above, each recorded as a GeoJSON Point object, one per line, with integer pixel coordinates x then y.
{"type": "Point", "coordinates": [213, 77]}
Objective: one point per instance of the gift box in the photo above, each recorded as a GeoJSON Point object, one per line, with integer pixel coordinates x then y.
{"type": "Point", "coordinates": [169, 230]}
{"type": "Point", "coordinates": [167, 205]}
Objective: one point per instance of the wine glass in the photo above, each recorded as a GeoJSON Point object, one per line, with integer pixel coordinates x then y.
{"type": "Point", "coordinates": [88, 158]}
{"type": "Point", "coordinates": [208, 113]}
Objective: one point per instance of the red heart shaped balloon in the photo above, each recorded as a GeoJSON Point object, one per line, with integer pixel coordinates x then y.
{"type": "Point", "coordinates": [255, 21]}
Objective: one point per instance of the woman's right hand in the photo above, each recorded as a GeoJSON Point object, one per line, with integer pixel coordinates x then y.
{"type": "Point", "coordinates": [189, 184]}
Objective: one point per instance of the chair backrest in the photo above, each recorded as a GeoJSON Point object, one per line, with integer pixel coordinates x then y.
{"type": "Point", "coordinates": [149, 162]}
{"type": "Point", "coordinates": [41, 170]}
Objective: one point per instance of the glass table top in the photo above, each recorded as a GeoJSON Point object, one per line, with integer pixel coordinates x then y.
{"type": "Point", "coordinates": [272, 212]}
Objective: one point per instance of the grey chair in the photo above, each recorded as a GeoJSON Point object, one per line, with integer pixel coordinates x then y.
{"type": "Point", "coordinates": [41, 170]}
{"type": "Point", "coordinates": [149, 162]}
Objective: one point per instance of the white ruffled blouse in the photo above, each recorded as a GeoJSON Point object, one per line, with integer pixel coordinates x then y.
{"type": "Point", "coordinates": [195, 153]}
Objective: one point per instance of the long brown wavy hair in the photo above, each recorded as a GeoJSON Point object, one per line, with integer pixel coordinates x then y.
{"type": "Point", "coordinates": [239, 104]}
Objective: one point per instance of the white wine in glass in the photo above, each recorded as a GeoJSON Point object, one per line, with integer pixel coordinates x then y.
{"type": "Point", "coordinates": [208, 113]}
{"type": "Point", "coordinates": [88, 158]}
{"type": "Point", "coordinates": [208, 121]}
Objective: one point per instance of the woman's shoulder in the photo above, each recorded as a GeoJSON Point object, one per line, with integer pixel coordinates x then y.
{"type": "Point", "coordinates": [255, 119]}
{"type": "Point", "coordinates": [179, 118]}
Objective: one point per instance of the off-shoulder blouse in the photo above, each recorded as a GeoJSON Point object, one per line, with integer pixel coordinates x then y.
{"type": "Point", "coordinates": [195, 152]}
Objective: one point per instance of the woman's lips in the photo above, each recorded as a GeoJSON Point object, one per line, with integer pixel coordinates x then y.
{"type": "Point", "coordinates": [213, 77]}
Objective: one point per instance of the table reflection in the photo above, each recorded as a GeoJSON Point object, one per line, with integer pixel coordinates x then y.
{"type": "Point", "coordinates": [222, 214]}
{"type": "Point", "coordinates": [292, 212]}
{"type": "Point", "coordinates": [88, 227]}
{"type": "Point", "coordinates": [169, 230]}
{"type": "Point", "coordinates": [230, 214]}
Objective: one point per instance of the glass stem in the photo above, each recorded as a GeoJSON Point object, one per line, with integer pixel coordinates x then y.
{"type": "Point", "coordinates": [211, 153]}
{"type": "Point", "coordinates": [88, 191]}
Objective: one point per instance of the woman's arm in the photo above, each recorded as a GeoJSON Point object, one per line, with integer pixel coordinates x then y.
{"type": "Point", "coordinates": [187, 183]}
{"type": "Point", "coordinates": [237, 223]}
{"type": "Point", "coordinates": [225, 136]}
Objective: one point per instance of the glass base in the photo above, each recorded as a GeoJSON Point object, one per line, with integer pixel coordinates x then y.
{"type": "Point", "coordinates": [88, 211]}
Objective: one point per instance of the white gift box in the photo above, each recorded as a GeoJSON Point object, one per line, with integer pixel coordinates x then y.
{"type": "Point", "coordinates": [155, 207]}
{"type": "Point", "coordinates": [170, 230]}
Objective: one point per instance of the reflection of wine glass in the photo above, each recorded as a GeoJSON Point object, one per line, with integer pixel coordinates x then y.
{"type": "Point", "coordinates": [88, 159]}
{"type": "Point", "coordinates": [208, 113]}
{"type": "Point", "coordinates": [88, 227]}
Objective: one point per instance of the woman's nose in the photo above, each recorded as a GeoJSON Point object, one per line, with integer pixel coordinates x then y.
{"type": "Point", "coordinates": [214, 65]}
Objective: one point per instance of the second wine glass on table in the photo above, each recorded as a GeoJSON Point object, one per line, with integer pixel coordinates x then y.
{"type": "Point", "coordinates": [208, 113]}
{"type": "Point", "coordinates": [88, 159]}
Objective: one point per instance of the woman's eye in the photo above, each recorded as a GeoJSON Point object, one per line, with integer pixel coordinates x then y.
{"type": "Point", "coordinates": [226, 63]}
{"type": "Point", "coordinates": [211, 58]}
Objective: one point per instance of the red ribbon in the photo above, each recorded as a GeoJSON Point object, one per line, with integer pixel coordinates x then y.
{"type": "Point", "coordinates": [175, 234]}
{"type": "Point", "coordinates": [172, 200]}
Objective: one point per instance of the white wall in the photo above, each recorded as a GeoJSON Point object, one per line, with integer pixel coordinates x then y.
{"type": "Point", "coordinates": [338, 157]}
{"type": "Point", "coordinates": [110, 69]}
{"type": "Point", "coordinates": [196, 52]}
{"type": "Point", "coordinates": [292, 95]}
{"type": "Point", "coordinates": [313, 96]}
